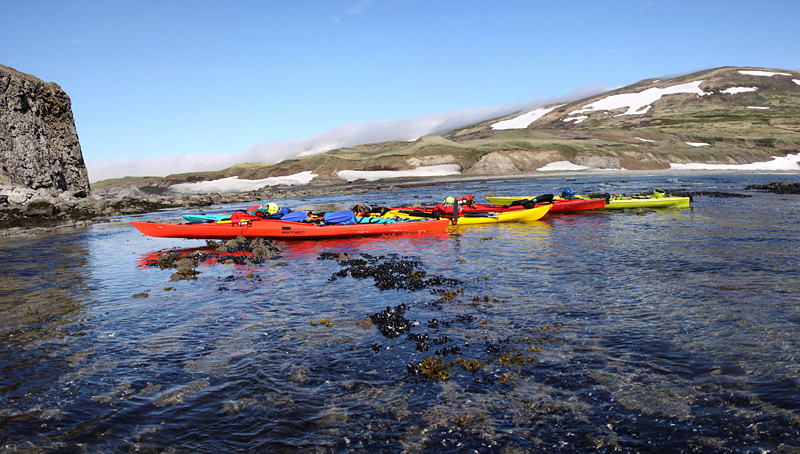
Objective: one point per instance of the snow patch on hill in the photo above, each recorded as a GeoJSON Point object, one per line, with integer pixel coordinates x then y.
{"type": "Point", "coordinates": [235, 184]}
{"type": "Point", "coordinates": [522, 121]}
{"type": "Point", "coordinates": [762, 73]}
{"type": "Point", "coordinates": [562, 165]}
{"type": "Point", "coordinates": [734, 90]}
{"type": "Point", "coordinates": [423, 171]}
{"type": "Point", "coordinates": [576, 119]}
{"type": "Point", "coordinates": [788, 162]}
{"type": "Point", "coordinates": [640, 103]}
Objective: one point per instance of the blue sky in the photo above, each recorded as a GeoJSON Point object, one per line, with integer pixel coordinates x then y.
{"type": "Point", "coordinates": [160, 87]}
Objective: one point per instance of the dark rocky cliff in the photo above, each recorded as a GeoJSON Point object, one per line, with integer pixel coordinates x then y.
{"type": "Point", "coordinates": [39, 146]}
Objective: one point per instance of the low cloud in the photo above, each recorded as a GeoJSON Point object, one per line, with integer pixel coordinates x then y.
{"type": "Point", "coordinates": [346, 135]}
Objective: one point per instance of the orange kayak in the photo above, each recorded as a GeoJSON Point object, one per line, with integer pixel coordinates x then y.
{"type": "Point", "coordinates": [283, 230]}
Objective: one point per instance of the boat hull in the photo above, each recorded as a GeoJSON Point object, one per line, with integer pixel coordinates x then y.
{"type": "Point", "coordinates": [283, 230]}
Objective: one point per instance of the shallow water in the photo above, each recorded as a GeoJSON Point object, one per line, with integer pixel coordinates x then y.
{"type": "Point", "coordinates": [674, 330]}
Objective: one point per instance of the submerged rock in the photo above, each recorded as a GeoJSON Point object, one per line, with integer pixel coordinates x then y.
{"type": "Point", "coordinates": [782, 187]}
{"type": "Point", "coordinates": [391, 272]}
{"type": "Point", "coordinates": [240, 251]}
{"type": "Point", "coordinates": [391, 322]}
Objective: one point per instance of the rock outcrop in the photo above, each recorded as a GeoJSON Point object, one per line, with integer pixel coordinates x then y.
{"type": "Point", "coordinates": [39, 146]}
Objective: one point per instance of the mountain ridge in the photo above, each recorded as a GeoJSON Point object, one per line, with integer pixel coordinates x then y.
{"type": "Point", "coordinates": [725, 115]}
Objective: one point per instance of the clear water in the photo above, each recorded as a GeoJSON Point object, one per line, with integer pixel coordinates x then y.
{"type": "Point", "coordinates": [658, 331]}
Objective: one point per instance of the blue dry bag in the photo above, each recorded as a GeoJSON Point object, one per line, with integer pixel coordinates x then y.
{"type": "Point", "coordinates": [340, 217]}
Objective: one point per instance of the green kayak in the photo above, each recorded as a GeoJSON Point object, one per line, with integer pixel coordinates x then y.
{"type": "Point", "coordinates": [616, 203]}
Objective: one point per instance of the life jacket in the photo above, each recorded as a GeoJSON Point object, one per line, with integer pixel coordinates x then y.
{"type": "Point", "coordinates": [242, 216]}
{"type": "Point", "coordinates": [446, 210]}
{"type": "Point", "coordinates": [264, 214]}
{"type": "Point", "coordinates": [468, 201]}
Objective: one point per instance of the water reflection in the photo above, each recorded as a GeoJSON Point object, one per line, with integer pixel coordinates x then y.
{"type": "Point", "coordinates": [44, 329]}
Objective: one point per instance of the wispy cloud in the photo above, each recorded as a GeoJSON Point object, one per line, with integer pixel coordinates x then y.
{"type": "Point", "coordinates": [359, 6]}
{"type": "Point", "coordinates": [346, 135]}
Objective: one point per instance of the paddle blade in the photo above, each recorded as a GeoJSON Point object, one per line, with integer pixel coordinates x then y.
{"type": "Point", "coordinates": [420, 214]}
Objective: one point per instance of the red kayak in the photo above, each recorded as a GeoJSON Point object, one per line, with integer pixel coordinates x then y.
{"type": "Point", "coordinates": [284, 230]}
{"type": "Point", "coordinates": [558, 206]}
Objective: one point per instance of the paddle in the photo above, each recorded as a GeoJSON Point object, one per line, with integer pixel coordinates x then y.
{"type": "Point", "coordinates": [420, 213]}
{"type": "Point", "coordinates": [200, 218]}
{"type": "Point", "coordinates": [371, 220]}
{"type": "Point", "coordinates": [377, 220]}
{"type": "Point", "coordinates": [530, 203]}
{"type": "Point", "coordinates": [526, 203]}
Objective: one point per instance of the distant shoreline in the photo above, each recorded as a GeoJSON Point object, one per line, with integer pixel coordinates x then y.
{"type": "Point", "coordinates": [462, 178]}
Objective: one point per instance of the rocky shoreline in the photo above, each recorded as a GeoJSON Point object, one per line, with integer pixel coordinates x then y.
{"type": "Point", "coordinates": [29, 211]}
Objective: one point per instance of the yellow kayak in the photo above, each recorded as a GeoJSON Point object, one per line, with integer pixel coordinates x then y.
{"type": "Point", "coordinates": [533, 214]}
